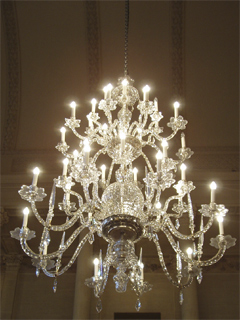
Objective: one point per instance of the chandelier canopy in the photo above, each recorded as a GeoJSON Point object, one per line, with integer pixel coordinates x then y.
{"type": "Point", "coordinates": [114, 204]}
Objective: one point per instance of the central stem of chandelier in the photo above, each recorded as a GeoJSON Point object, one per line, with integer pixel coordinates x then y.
{"type": "Point", "coordinates": [119, 207]}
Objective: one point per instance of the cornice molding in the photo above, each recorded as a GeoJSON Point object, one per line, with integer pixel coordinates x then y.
{"type": "Point", "coordinates": [14, 74]}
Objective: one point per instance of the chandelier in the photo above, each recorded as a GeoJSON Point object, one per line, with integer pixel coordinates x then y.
{"type": "Point", "coordinates": [114, 204]}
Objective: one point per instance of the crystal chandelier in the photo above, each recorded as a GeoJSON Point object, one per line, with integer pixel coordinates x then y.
{"type": "Point", "coordinates": [118, 206]}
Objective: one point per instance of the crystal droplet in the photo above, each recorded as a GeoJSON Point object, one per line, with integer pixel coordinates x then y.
{"type": "Point", "coordinates": [55, 285]}
{"type": "Point", "coordinates": [99, 305]}
{"type": "Point", "coordinates": [37, 272]}
{"type": "Point", "coordinates": [177, 224]}
{"type": "Point", "coordinates": [138, 304]}
{"type": "Point", "coordinates": [181, 297]}
{"type": "Point", "coordinates": [199, 277]}
{"type": "Point", "coordinates": [91, 238]}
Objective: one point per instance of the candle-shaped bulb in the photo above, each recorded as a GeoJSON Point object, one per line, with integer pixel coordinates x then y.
{"type": "Point", "coordinates": [135, 171]}
{"type": "Point", "coordinates": [63, 130]}
{"type": "Point", "coordinates": [96, 263]}
{"type": "Point", "coordinates": [165, 147]}
{"type": "Point", "coordinates": [183, 142]}
{"type": "Point", "coordinates": [103, 167]}
{"type": "Point", "coordinates": [25, 216]}
{"type": "Point", "coordinates": [156, 104]}
{"type": "Point", "coordinates": [183, 168]}
{"type": "Point", "coordinates": [124, 84]}
{"type": "Point", "coordinates": [73, 106]}
{"type": "Point", "coordinates": [86, 151]}
{"type": "Point", "coordinates": [75, 155]}
{"type": "Point", "coordinates": [94, 102]}
{"type": "Point", "coordinates": [65, 165]}
{"type": "Point", "coordinates": [176, 106]}
{"type": "Point", "coordinates": [220, 224]}
{"type": "Point", "coordinates": [189, 252]}
{"type": "Point", "coordinates": [105, 90]}
{"type": "Point", "coordinates": [146, 90]}
{"type": "Point", "coordinates": [158, 205]}
{"type": "Point", "coordinates": [213, 187]}
{"type": "Point", "coordinates": [110, 87]}
{"type": "Point", "coordinates": [36, 172]}
{"type": "Point", "coordinates": [159, 157]}
{"type": "Point", "coordinates": [104, 127]}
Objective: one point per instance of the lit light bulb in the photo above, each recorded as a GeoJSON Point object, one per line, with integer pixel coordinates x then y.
{"type": "Point", "coordinates": [94, 102]}
{"type": "Point", "coordinates": [36, 172]}
{"type": "Point", "coordinates": [183, 168]}
{"type": "Point", "coordinates": [176, 106]}
{"type": "Point", "coordinates": [63, 130]}
{"type": "Point", "coordinates": [103, 167]}
{"type": "Point", "coordinates": [65, 165]}
{"type": "Point", "coordinates": [73, 106]}
{"type": "Point", "coordinates": [25, 217]}
{"type": "Point", "coordinates": [189, 252]}
{"type": "Point", "coordinates": [96, 263]}
{"type": "Point", "coordinates": [158, 205]}
{"type": "Point", "coordinates": [213, 187]}
{"type": "Point", "coordinates": [146, 90]}
{"type": "Point", "coordinates": [135, 171]}
{"type": "Point", "coordinates": [165, 147]}
{"type": "Point", "coordinates": [75, 155]}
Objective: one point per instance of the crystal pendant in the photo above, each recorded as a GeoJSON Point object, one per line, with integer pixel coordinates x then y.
{"type": "Point", "coordinates": [177, 224]}
{"type": "Point", "coordinates": [199, 277]}
{"type": "Point", "coordinates": [138, 304]}
{"type": "Point", "coordinates": [181, 297]}
{"type": "Point", "coordinates": [37, 272]}
{"type": "Point", "coordinates": [55, 285]}
{"type": "Point", "coordinates": [91, 238]}
{"type": "Point", "coordinates": [47, 237]}
{"type": "Point", "coordinates": [99, 305]}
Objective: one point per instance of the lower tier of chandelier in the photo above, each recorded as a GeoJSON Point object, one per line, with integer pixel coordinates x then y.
{"type": "Point", "coordinates": [122, 227]}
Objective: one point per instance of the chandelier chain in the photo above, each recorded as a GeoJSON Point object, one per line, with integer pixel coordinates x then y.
{"type": "Point", "coordinates": [126, 38]}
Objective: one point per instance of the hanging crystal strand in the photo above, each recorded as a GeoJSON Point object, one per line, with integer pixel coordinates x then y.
{"type": "Point", "coordinates": [55, 284]}
{"type": "Point", "coordinates": [181, 297]}
{"type": "Point", "coordinates": [99, 305]}
{"type": "Point", "coordinates": [200, 240]}
{"type": "Point", "coordinates": [191, 214]}
{"type": "Point", "coordinates": [179, 264]}
{"type": "Point", "coordinates": [138, 304]}
{"type": "Point", "coordinates": [37, 271]}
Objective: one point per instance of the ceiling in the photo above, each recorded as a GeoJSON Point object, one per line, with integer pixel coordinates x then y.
{"type": "Point", "coordinates": [54, 52]}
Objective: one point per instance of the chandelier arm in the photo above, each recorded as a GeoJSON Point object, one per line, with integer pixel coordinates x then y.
{"type": "Point", "coordinates": [101, 151]}
{"type": "Point", "coordinates": [32, 254]}
{"type": "Point", "coordinates": [68, 224]}
{"type": "Point", "coordinates": [172, 135]}
{"type": "Point", "coordinates": [190, 213]}
{"type": "Point", "coordinates": [110, 172]}
{"type": "Point", "coordinates": [77, 134]}
{"type": "Point", "coordinates": [222, 248]}
{"type": "Point", "coordinates": [147, 161]}
{"type": "Point", "coordinates": [165, 270]}
{"type": "Point", "coordinates": [179, 235]}
{"type": "Point", "coordinates": [75, 255]}
{"type": "Point", "coordinates": [37, 215]}
{"type": "Point", "coordinates": [131, 129]}
{"type": "Point", "coordinates": [165, 208]}
{"type": "Point", "coordinates": [79, 197]}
